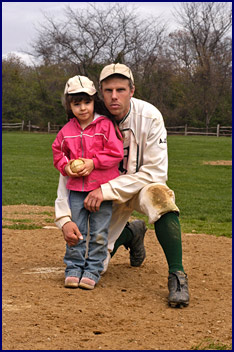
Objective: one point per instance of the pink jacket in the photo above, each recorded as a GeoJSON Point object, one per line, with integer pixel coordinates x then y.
{"type": "Point", "coordinates": [98, 141]}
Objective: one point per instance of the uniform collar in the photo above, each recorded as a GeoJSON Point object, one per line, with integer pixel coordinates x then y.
{"type": "Point", "coordinates": [125, 117]}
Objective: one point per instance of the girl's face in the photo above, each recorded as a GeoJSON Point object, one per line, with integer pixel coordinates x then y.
{"type": "Point", "coordinates": [83, 111]}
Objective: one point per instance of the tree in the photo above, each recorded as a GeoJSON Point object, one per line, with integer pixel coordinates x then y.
{"type": "Point", "coordinates": [32, 93]}
{"type": "Point", "coordinates": [201, 53]}
{"type": "Point", "coordinates": [15, 91]}
{"type": "Point", "coordinates": [187, 74]}
{"type": "Point", "coordinates": [96, 36]}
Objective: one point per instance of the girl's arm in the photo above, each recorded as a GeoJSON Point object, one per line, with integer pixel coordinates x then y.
{"type": "Point", "coordinates": [59, 156]}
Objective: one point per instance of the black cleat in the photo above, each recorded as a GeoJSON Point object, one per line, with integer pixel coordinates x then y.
{"type": "Point", "coordinates": [136, 245]}
{"type": "Point", "coordinates": [178, 290]}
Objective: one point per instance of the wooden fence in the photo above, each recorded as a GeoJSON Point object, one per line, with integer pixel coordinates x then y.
{"type": "Point", "coordinates": [12, 126]}
{"type": "Point", "coordinates": [21, 126]}
{"type": "Point", "coordinates": [218, 131]}
{"type": "Point", "coordinates": [52, 128]}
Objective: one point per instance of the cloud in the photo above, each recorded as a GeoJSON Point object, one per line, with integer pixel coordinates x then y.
{"type": "Point", "coordinates": [20, 19]}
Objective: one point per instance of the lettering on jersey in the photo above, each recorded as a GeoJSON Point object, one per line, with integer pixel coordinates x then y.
{"type": "Point", "coordinates": [162, 141]}
{"type": "Point", "coordinates": [123, 163]}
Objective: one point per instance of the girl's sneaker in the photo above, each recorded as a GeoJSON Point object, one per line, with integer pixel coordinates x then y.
{"type": "Point", "coordinates": [87, 283]}
{"type": "Point", "coordinates": [72, 282]}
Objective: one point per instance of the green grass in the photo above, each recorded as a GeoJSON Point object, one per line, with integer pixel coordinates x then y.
{"type": "Point", "coordinates": [29, 176]}
{"type": "Point", "coordinates": [203, 192]}
{"type": "Point", "coordinates": [21, 227]}
{"type": "Point", "coordinates": [211, 345]}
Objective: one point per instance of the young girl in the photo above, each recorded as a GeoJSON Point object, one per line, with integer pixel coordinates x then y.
{"type": "Point", "coordinates": [96, 140]}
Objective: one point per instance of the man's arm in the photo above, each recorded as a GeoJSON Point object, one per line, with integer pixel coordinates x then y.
{"type": "Point", "coordinates": [152, 165]}
{"type": "Point", "coordinates": [63, 220]}
{"type": "Point", "coordinates": [62, 208]}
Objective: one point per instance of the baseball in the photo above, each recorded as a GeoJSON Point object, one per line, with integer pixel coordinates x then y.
{"type": "Point", "coordinates": [76, 164]}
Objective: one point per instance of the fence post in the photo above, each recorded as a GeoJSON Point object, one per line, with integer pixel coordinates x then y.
{"type": "Point", "coordinates": [186, 129]}
{"type": "Point", "coordinates": [29, 126]}
{"type": "Point", "coordinates": [22, 126]}
{"type": "Point", "coordinates": [48, 127]}
{"type": "Point", "coordinates": [218, 128]}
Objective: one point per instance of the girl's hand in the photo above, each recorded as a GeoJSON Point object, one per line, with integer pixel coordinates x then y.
{"type": "Point", "coordinates": [87, 168]}
{"type": "Point", "coordinates": [68, 171]}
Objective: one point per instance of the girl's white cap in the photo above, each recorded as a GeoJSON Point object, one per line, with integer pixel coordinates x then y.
{"type": "Point", "coordinates": [80, 84]}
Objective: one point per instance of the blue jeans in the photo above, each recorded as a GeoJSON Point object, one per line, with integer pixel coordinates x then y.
{"type": "Point", "coordinates": [77, 263]}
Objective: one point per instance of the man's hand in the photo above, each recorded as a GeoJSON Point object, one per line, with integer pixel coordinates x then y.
{"type": "Point", "coordinates": [93, 200]}
{"type": "Point", "coordinates": [71, 233]}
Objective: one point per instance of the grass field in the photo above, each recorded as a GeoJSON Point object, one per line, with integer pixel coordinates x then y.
{"type": "Point", "coordinates": [203, 192]}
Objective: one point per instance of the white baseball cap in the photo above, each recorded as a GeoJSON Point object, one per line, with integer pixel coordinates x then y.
{"type": "Point", "coordinates": [112, 69]}
{"type": "Point", "coordinates": [79, 84]}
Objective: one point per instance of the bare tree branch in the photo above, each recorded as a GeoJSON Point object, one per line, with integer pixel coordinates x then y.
{"type": "Point", "coordinates": [98, 35]}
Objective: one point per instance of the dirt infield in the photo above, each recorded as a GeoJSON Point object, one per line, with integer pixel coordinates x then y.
{"type": "Point", "coordinates": [126, 311]}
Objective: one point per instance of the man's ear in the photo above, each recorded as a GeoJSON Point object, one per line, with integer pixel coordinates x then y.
{"type": "Point", "coordinates": [132, 91]}
{"type": "Point", "coordinates": [100, 90]}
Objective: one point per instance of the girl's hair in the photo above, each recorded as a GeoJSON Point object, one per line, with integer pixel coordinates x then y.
{"type": "Point", "coordinates": [99, 107]}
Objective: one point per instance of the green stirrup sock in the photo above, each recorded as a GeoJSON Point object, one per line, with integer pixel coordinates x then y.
{"type": "Point", "coordinates": [124, 238]}
{"type": "Point", "coordinates": [168, 232]}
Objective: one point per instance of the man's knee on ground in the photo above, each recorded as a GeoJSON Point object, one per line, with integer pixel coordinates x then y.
{"type": "Point", "coordinates": [157, 199]}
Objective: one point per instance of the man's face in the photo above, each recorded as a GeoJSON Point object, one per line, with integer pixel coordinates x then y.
{"type": "Point", "coordinates": [116, 95]}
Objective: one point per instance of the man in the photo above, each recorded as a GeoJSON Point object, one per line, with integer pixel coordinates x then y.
{"type": "Point", "coordinates": [141, 185]}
